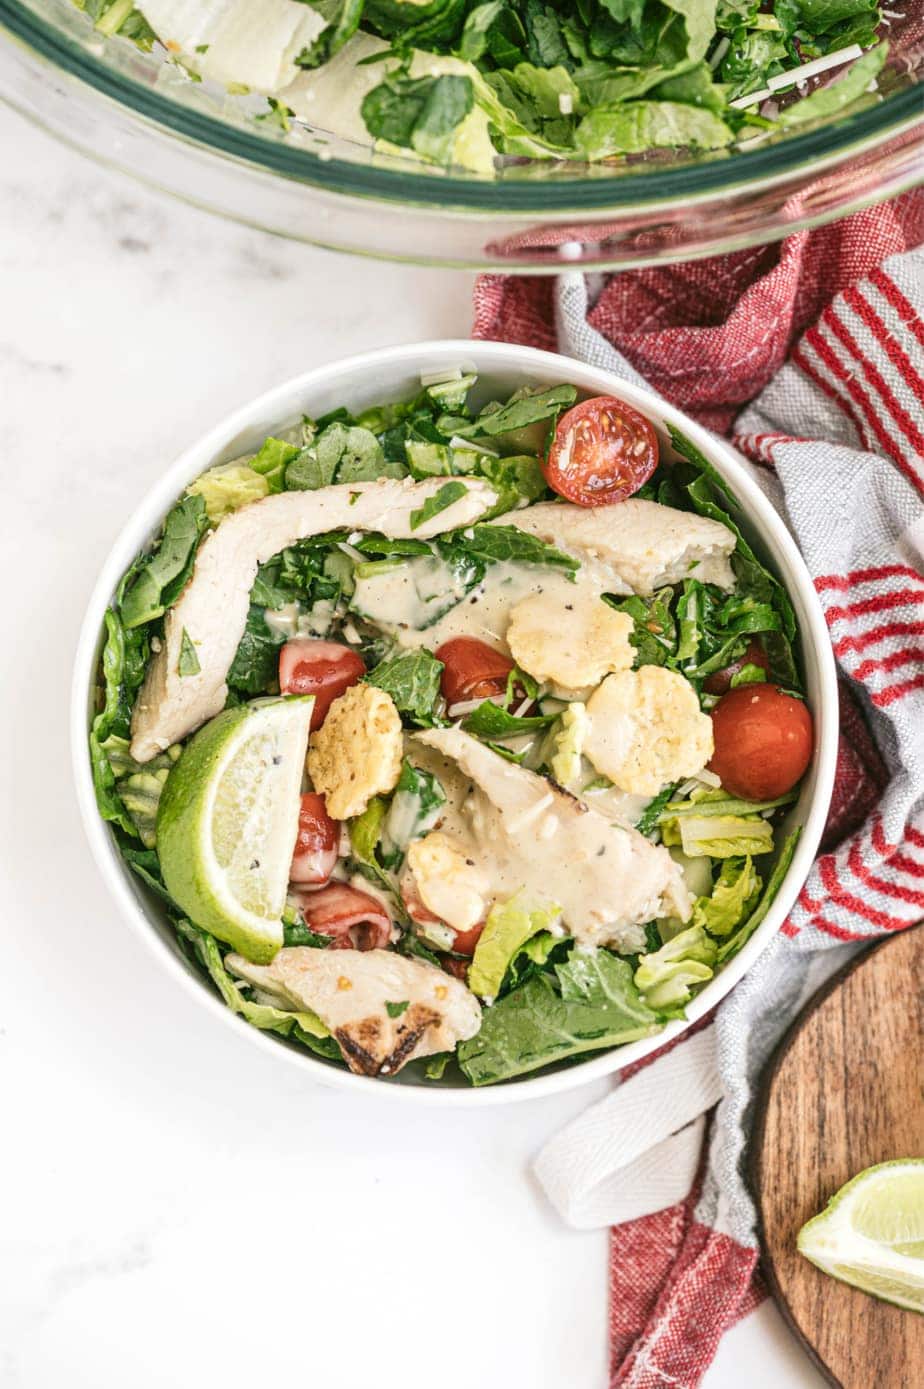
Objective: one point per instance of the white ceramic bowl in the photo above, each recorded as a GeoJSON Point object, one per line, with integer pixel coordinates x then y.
{"type": "Point", "coordinates": [393, 374]}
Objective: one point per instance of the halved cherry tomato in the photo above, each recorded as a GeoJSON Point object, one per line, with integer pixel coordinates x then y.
{"type": "Point", "coordinates": [754, 655]}
{"type": "Point", "coordinates": [603, 451]}
{"type": "Point", "coordinates": [317, 842]}
{"type": "Point", "coordinates": [465, 941]}
{"type": "Point", "coordinates": [472, 669]}
{"type": "Point", "coordinates": [763, 741]}
{"type": "Point", "coordinates": [354, 919]}
{"type": "Point", "coordinates": [322, 668]}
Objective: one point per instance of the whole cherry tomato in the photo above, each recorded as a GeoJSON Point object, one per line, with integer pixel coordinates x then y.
{"type": "Point", "coordinates": [763, 741]}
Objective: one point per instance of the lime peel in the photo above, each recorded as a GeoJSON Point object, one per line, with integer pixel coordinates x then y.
{"type": "Point", "coordinates": [228, 820]}
{"type": "Point", "coordinates": [871, 1233]}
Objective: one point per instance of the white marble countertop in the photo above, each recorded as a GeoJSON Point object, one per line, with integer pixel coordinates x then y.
{"type": "Point", "coordinates": [177, 1209]}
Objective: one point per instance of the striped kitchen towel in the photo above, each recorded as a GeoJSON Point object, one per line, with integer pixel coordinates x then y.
{"type": "Point", "coordinates": [838, 437]}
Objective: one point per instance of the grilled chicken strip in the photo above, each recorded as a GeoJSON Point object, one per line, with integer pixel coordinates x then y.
{"type": "Point", "coordinates": [643, 544]}
{"type": "Point", "coordinates": [607, 878]}
{"type": "Point", "coordinates": [349, 991]}
{"type": "Point", "coordinates": [212, 609]}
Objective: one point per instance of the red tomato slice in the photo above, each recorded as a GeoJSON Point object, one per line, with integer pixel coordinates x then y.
{"type": "Point", "coordinates": [763, 741]}
{"type": "Point", "coordinates": [317, 843]}
{"type": "Point", "coordinates": [322, 668]}
{"type": "Point", "coordinates": [472, 669]}
{"type": "Point", "coordinates": [603, 451]}
{"type": "Point", "coordinates": [465, 941]}
{"type": "Point", "coordinates": [754, 655]}
{"type": "Point", "coordinates": [354, 919]}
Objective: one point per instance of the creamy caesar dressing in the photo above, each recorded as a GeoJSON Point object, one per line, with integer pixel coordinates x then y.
{"type": "Point", "coordinates": [524, 833]}
{"type": "Point", "coordinates": [485, 611]}
{"type": "Point", "coordinates": [616, 805]}
{"type": "Point", "coordinates": [397, 595]}
{"type": "Point", "coordinates": [291, 621]}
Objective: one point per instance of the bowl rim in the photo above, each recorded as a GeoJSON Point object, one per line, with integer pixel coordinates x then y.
{"type": "Point", "coordinates": [486, 356]}
{"type": "Point", "coordinates": [810, 151]}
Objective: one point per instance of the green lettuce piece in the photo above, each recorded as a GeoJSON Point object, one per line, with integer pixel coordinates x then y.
{"type": "Point", "coordinates": [449, 493]}
{"type": "Point", "coordinates": [138, 786]}
{"type": "Point", "coordinates": [719, 836]}
{"type": "Point", "coordinates": [650, 816]}
{"type": "Point", "coordinates": [271, 460]}
{"type": "Point", "coordinates": [227, 487]}
{"type": "Point", "coordinates": [413, 681]}
{"type": "Point", "coordinates": [780, 869]}
{"type": "Point", "coordinates": [427, 459]}
{"type": "Point", "coordinates": [509, 925]}
{"type": "Point", "coordinates": [262, 1015]}
{"type": "Point", "coordinates": [598, 1006]}
{"type": "Point", "coordinates": [340, 452]}
{"type": "Point", "coordinates": [492, 723]}
{"type": "Point", "coordinates": [365, 833]}
{"type": "Point", "coordinates": [416, 805]}
{"type": "Point", "coordinates": [525, 407]}
{"type": "Point", "coordinates": [734, 896]}
{"type": "Point", "coordinates": [666, 977]}
{"type": "Point", "coordinates": [634, 127]}
{"type": "Point", "coordinates": [654, 634]}
{"type": "Point", "coordinates": [453, 393]}
{"type": "Point", "coordinates": [753, 580]}
{"type": "Point", "coordinates": [419, 113]}
{"type": "Point", "coordinates": [518, 480]}
{"type": "Point", "coordinates": [826, 101]}
{"type": "Point", "coordinates": [140, 795]}
{"type": "Point", "coordinates": [716, 801]}
{"type": "Point", "coordinates": [507, 544]}
{"type": "Point", "coordinates": [162, 575]}
{"type": "Point", "coordinates": [113, 713]}
{"type": "Point", "coordinates": [565, 745]}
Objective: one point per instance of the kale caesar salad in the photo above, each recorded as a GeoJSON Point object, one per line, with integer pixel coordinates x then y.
{"type": "Point", "coordinates": [457, 732]}
{"type": "Point", "coordinates": [484, 86]}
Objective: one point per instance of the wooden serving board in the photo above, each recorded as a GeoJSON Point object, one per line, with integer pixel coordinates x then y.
{"type": "Point", "coordinates": [843, 1092]}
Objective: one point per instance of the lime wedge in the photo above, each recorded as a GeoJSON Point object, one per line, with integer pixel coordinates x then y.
{"type": "Point", "coordinates": [871, 1233]}
{"type": "Point", "coordinates": [228, 819]}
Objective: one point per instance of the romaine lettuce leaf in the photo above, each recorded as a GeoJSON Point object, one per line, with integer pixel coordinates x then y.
{"type": "Point", "coordinates": [667, 976]}
{"type": "Point", "coordinates": [734, 896]}
{"type": "Point", "coordinates": [826, 101]}
{"type": "Point", "coordinates": [596, 1005]}
{"type": "Point", "coordinates": [413, 681]}
{"type": "Point", "coordinates": [509, 926]}
{"type": "Point", "coordinates": [262, 1015]}
{"type": "Point", "coordinates": [633, 127]}
{"type": "Point", "coordinates": [733, 944]}
{"type": "Point", "coordinates": [162, 575]}
{"type": "Point", "coordinates": [719, 836]}
{"type": "Point", "coordinates": [227, 487]}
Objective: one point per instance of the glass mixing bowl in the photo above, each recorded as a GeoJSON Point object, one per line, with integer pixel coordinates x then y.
{"type": "Point", "coordinates": [140, 113]}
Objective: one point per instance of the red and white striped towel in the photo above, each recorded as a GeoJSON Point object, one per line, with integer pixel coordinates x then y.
{"type": "Point", "coordinates": [839, 433]}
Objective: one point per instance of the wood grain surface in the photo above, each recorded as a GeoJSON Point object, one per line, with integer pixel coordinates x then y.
{"type": "Point", "coordinates": [844, 1091]}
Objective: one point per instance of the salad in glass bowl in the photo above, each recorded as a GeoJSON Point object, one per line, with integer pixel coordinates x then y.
{"type": "Point", "coordinates": [456, 735]}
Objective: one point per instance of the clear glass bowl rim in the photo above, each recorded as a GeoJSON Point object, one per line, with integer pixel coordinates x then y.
{"type": "Point", "coordinates": [666, 186]}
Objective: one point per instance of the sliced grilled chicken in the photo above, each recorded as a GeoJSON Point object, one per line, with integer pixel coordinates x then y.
{"type": "Point", "coordinates": [212, 609]}
{"type": "Point", "coordinates": [351, 990]}
{"type": "Point", "coordinates": [643, 544]}
{"type": "Point", "coordinates": [607, 879]}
